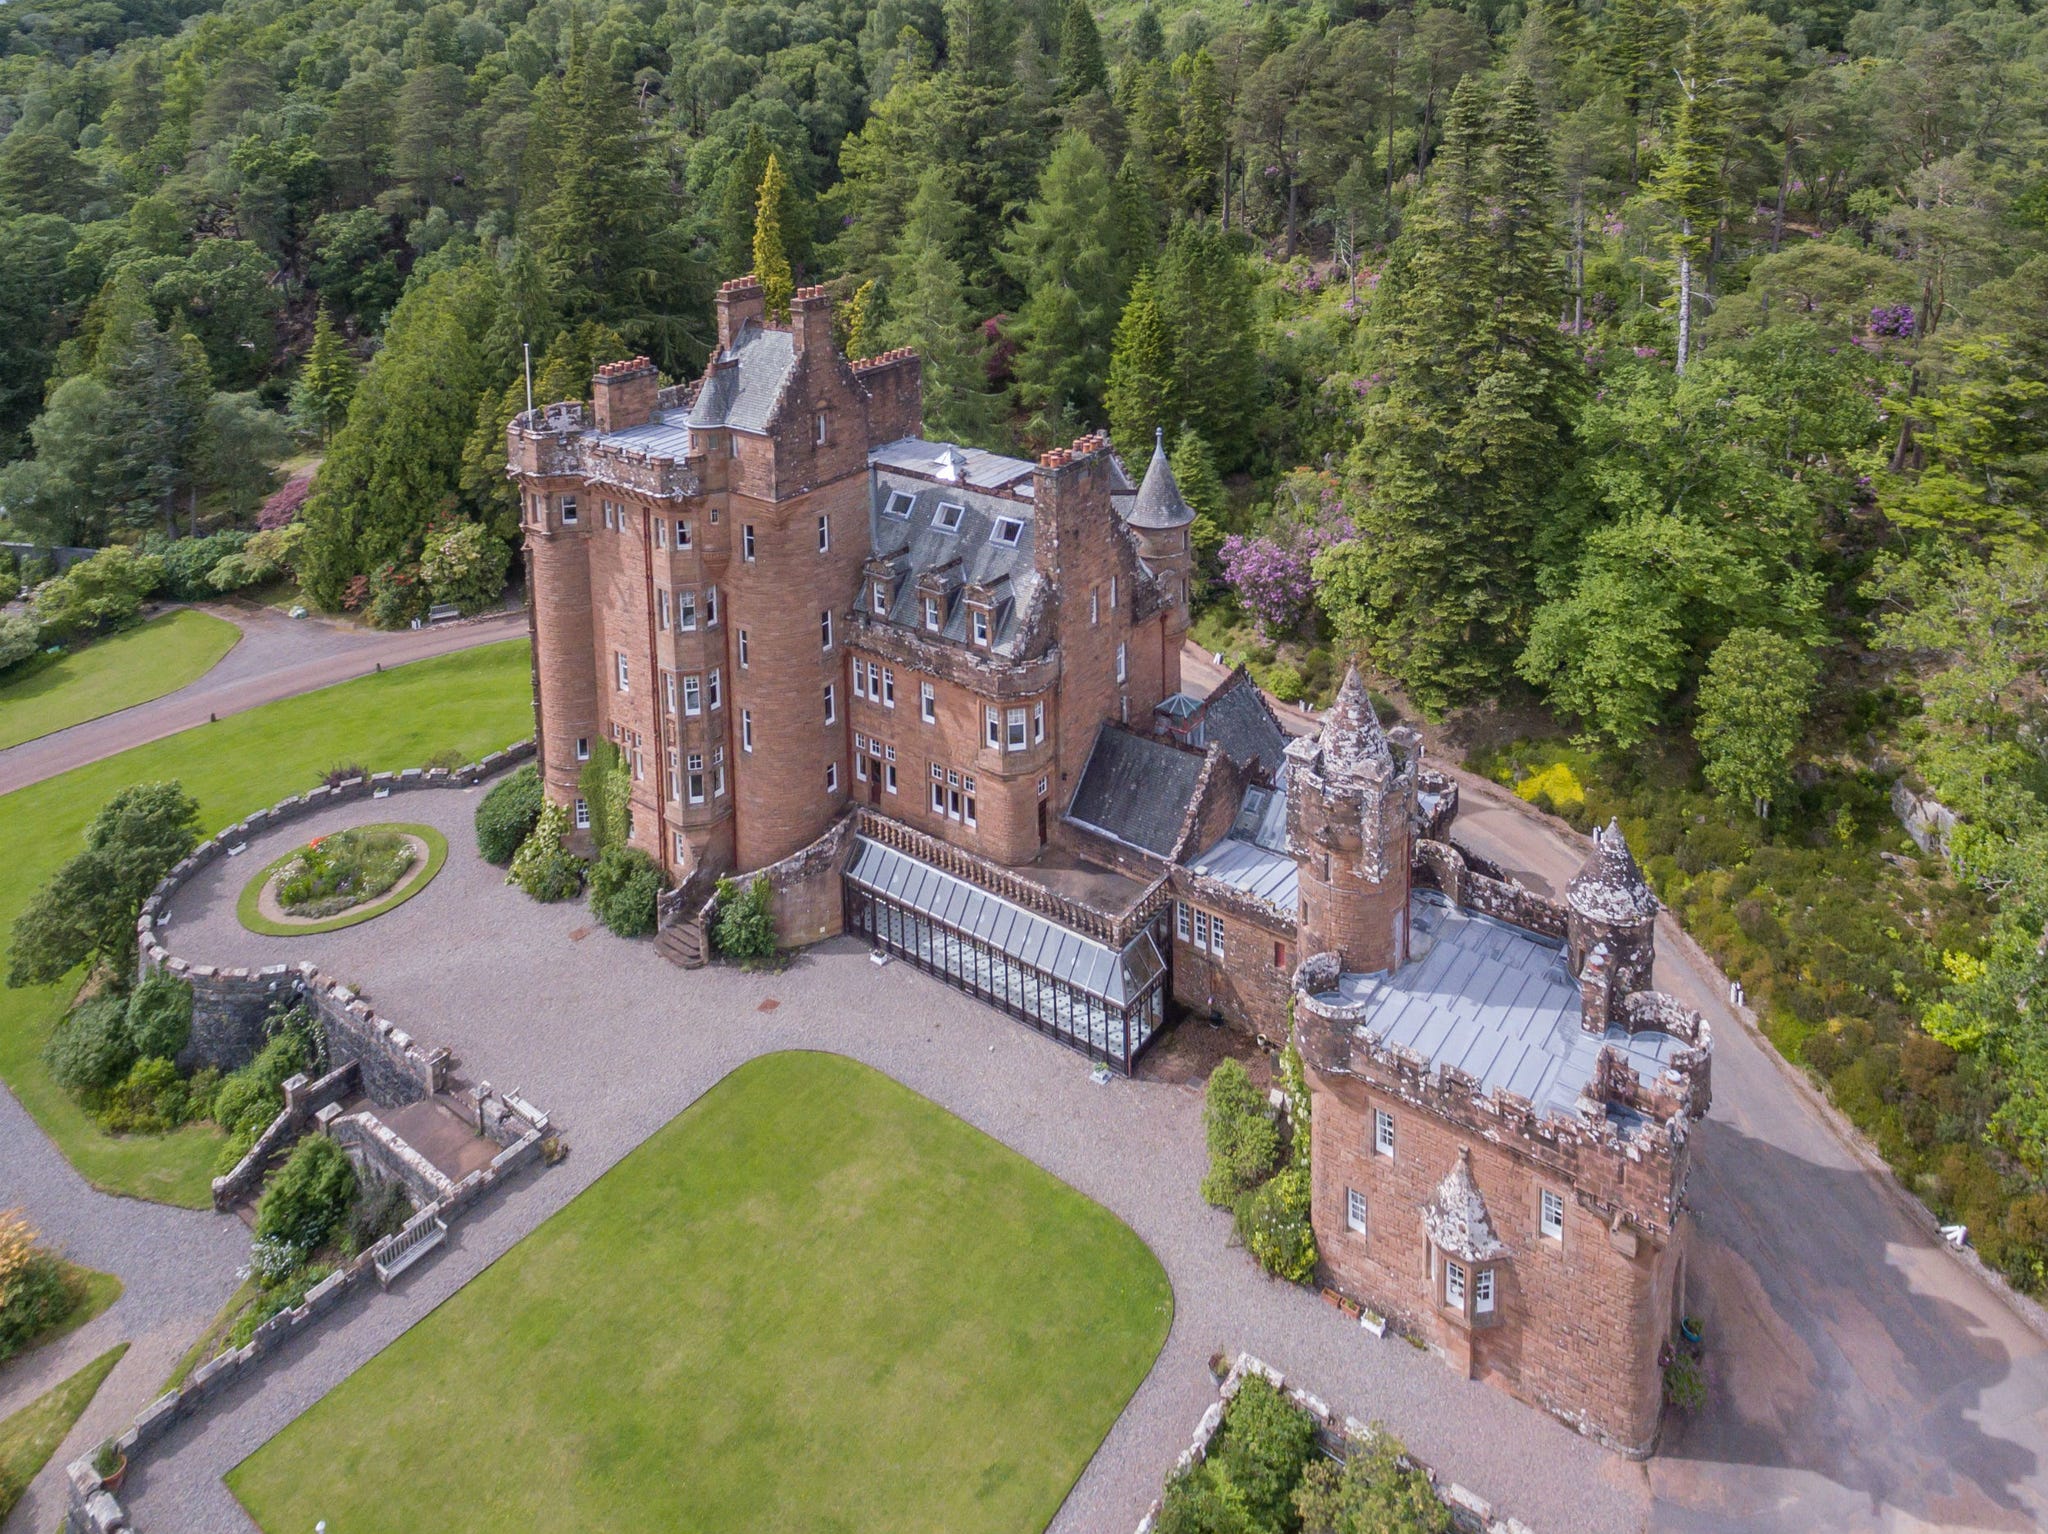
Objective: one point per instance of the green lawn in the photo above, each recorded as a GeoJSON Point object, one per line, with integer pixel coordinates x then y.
{"type": "Point", "coordinates": [814, 1302]}
{"type": "Point", "coordinates": [31, 1435]}
{"type": "Point", "coordinates": [130, 668]}
{"type": "Point", "coordinates": [472, 701]}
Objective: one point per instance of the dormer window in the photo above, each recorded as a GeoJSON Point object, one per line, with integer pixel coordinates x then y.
{"type": "Point", "coordinates": [980, 627]}
{"type": "Point", "coordinates": [931, 614]}
{"type": "Point", "coordinates": [881, 599]}
{"type": "Point", "coordinates": [899, 505]}
{"type": "Point", "coordinates": [1008, 531]}
{"type": "Point", "coordinates": [948, 518]}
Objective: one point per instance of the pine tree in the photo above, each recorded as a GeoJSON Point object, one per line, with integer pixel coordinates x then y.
{"type": "Point", "coordinates": [1206, 293]}
{"type": "Point", "coordinates": [859, 316]}
{"type": "Point", "coordinates": [1688, 183]}
{"type": "Point", "coordinates": [328, 380]}
{"type": "Point", "coordinates": [1459, 443]}
{"type": "Point", "coordinates": [1194, 470]}
{"type": "Point", "coordinates": [1081, 66]}
{"type": "Point", "coordinates": [1062, 253]}
{"type": "Point", "coordinates": [160, 384]}
{"type": "Point", "coordinates": [771, 257]}
{"type": "Point", "coordinates": [1142, 396]}
{"type": "Point", "coordinates": [928, 311]}
{"type": "Point", "coordinates": [1148, 41]}
{"type": "Point", "coordinates": [736, 207]}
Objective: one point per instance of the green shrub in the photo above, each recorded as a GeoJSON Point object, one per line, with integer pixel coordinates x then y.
{"type": "Point", "coordinates": [507, 815]}
{"type": "Point", "coordinates": [1262, 1450]}
{"type": "Point", "coordinates": [607, 789]}
{"type": "Point", "coordinates": [309, 1196]}
{"type": "Point", "coordinates": [335, 873]}
{"type": "Point", "coordinates": [19, 636]}
{"type": "Point", "coordinates": [1273, 1223]}
{"type": "Point", "coordinates": [1244, 1143]}
{"type": "Point", "coordinates": [1685, 1387]}
{"type": "Point", "coordinates": [1198, 1501]}
{"type": "Point", "coordinates": [160, 1016]}
{"type": "Point", "coordinates": [91, 1049]}
{"type": "Point", "coordinates": [248, 1099]}
{"type": "Point", "coordinates": [150, 1100]}
{"type": "Point", "coordinates": [465, 564]}
{"type": "Point", "coordinates": [1375, 1491]}
{"type": "Point", "coordinates": [543, 866]}
{"type": "Point", "coordinates": [744, 931]}
{"type": "Point", "coordinates": [33, 1293]}
{"type": "Point", "coordinates": [291, 1291]}
{"type": "Point", "coordinates": [381, 1209]}
{"type": "Point", "coordinates": [624, 885]}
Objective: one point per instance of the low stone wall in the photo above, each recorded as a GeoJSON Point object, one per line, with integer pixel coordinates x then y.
{"type": "Point", "coordinates": [1444, 867]}
{"type": "Point", "coordinates": [1469, 1511]}
{"type": "Point", "coordinates": [379, 1150]}
{"type": "Point", "coordinates": [302, 1099]}
{"type": "Point", "coordinates": [93, 1509]}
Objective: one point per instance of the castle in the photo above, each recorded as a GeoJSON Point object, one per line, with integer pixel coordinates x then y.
{"type": "Point", "coordinates": [932, 694]}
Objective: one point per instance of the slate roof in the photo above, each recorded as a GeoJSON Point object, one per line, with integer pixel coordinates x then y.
{"type": "Point", "coordinates": [1352, 736]}
{"type": "Point", "coordinates": [1235, 717]}
{"type": "Point", "coordinates": [1136, 789]}
{"type": "Point", "coordinates": [971, 468]}
{"type": "Point", "coordinates": [1159, 503]}
{"type": "Point", "coordinates": [1456, 1217]}
{"type": "Point", "coordinates": [1609, 886]}
{"type": "Point", "coordinates": [743, 384]}
{"type": "Point", "coordinates": [1495, 1001]}
{"type": "Point", "coordinates": [917, 544]}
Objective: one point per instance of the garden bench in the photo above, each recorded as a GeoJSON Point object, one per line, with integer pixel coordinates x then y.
{"type": "Point", "coordinates": [408, 1247]}
{"type": "Point", "coordinates": [443, 612]}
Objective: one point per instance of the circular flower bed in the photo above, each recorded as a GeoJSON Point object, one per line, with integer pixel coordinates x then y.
{"type": "Point", "coordinates": [342, 878]}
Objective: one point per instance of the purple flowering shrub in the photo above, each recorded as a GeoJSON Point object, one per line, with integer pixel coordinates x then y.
{"type": "Point", "coordinates": [1893, 320]}
{"type": "Point", "coordinates": [1272, 572]}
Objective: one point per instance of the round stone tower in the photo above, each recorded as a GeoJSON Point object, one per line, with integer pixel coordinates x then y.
{"type": "Point", "coordinates": [559, 594]}
{"type": "Point", "coordinates": [1350, 811]}
{"type": "Point", "coordinates": [1159, 518]}
{"type": "Point", "coordinates": [1609, 902]}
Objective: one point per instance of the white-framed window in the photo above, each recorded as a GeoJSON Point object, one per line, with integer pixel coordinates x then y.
{"type": "Point", "coordinates": [1013, 729]}
{"type": "Point", "coordinates": [696, 777]}
{"type": "Point", "coordinates": [714, 516]}
{"type": "Point", "coordinates": [1094, 608]}
{"type": "Point", "coordinates": [1454, 1284]}
{"type": "Point", "coordinates": [1041, 786]}
{"type": "Point", "coordinates": [927, 702]}
{"type": "Point", "coordinates": [1551, 1215]}
{"type": "Point", "coordinates": [747, 540]}
{"type": "Point", "coordinates": [980, 627]}
{"type": "Point", "coordinates": [746, 729]}
{"type": "Point", "coordinates": [1181, 924]}
{"type": "Point", "coordinates": [582, 813]}
{"type": "Point", "coordinates": [860, 679]}
{"type": "Point", "coordinates": [682, 849]}
{"type": "Point", "coordinates": [967, 802]}
{"type": "Point", "coordinates": [888, 686]}
{"type": "Point", "coordinates": [583, 748]}
{"type": "Point", "coordinates": [1008, 531]}
{"type": "Point", "coordinates": [938, 791]}
{"type": "Point", "coordinates": [661, 610]}
{"type": "Point", "coordinates": [1482, 1292]}
{"type": "Point", "coordinates": [889, 775]}
{"type": "Point", "coordinates": [622, 672]}
{"type": "Point", "coordinates": [992, 726]}
{"type": "Point", "coordinates": [831, 704]}
{"type": "Point", "coordinates": [1123, 663]}
{"type": "Point", "coordinates": [900, 502]}
{"type": "Point", "coordinates": [693, 695]}
{"type": "Point", "coordinates": [661, 536]}
{"type": "Point", "coordinates": [718, 772]}
{"type": "Point", "coordinates": [824, 528]}
{"type": "Point", "coordinates": [931, 614]}
{"type": "Point", "coordinates": [668, 689]}
{"type": "Point", "coordinates": [568, 511]}
{"type": "Point", "coordinates": [1201, 928]}
{"type": "Point", "coordinates": [1037, 722]}
{"type": "Point", "coordinates": [712, 691]}
{"type": "Point", "coordinates": [818, 428]}
{"type": "Point", "coordinates": [1112, 593]}
{"type": "Point", "coordinates": [639, 766]}
{"type": "Point", "coordinates": [947, 518]}
{"type": "Point", "coordinates": [860, 764]}
{"type": "Point", "coordinates": [682, 533]}
{"type": "Point", "coordinates": [686, 611]}
{"type": "Point", "coordinates": [881, 601]}
{"type": "Point", "coordinates": [675, 773]}
{"type": "Point", "coordinates": [1383, 1132]}
{"type": "Point", "coordinates": [711, 600]}
{"type": "Point", "coordinates": [1354, 1210]}
{"type": "Point", "coordinates": [831, 777]}
{"type": "Point", "coordinates": [1216, 936]}
{"type": "Point", "coordinates": [825, 629]}
{"type": "Point", "coordinates": [743, 649]}
{"type": "Point", "coordinates": [609, 521]}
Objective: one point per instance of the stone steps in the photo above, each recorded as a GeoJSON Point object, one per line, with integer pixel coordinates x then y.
{"type": "Point", "coordinates": [683, 944]}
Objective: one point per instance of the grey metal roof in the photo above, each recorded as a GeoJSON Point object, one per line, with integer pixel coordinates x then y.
{"type": "Point", "coordinates": [923, 546]}
{"type": "Point", "coordinates": [1496, 1002]}
{"type": "Point", "coordinates": [1136, 789]}
{"type": "Point", "coordinates": [742, 385]}
{"type": "Point", "coordinates": [1159, 503]}
{"type": "Point", "coordinates": [970, 467]}
{"type": "Point", "coordinates": [1024, 935]}
{"type": "Point", "coordinates": [1262, 817]}
{"type": "Point", "coordinates": [666, 435]}
{"type": "Point", "coordinates": [1273, 877]}
{"type": "Point", "coordinates": [1177, 705]}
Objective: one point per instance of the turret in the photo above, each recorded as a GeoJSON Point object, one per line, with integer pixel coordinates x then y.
{"type": "Point", "coordinates": [1350, 803]}
{"type": "Point", "coordinates": [1608, 905]}
{"type": "Point", "coordinates": [1159, 518]}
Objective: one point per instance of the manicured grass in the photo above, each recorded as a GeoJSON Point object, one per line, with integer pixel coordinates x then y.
{"type": "Point", "coordinates": [112, 674]}
{"type": "Point", "coordinates": [473, 701]}
{"type": "Point", "coordinates": [31, 1435]}
{"type": "Point", "coordinates": [812, 1302]}
{"type": "Point", "coordinates": [415, 881]}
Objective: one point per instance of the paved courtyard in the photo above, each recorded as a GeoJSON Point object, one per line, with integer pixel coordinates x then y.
{"type": "Point", "coordinates": [614, 1043]}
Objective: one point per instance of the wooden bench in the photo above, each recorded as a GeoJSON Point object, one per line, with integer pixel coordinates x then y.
{"type": "Point", "coordinates": [443, 612]}
{"type": "Point", "coordinates": [408, 1247]}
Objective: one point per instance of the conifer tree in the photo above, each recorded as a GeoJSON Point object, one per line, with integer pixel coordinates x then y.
{"type": "Point", "coordinates": [736, 207]}
{"type": "Point", "coordinates": [328, 380]}
{"type": "Point", "coordinates": [1194, 470]}
{"type": "Point", "coordinates": [1062, 253]}
{"type": "Point", "coordinates": [1081, 66]}
{"type": "Point", "coordinates": [1148, 40]}
{"type": "Point", "coordinates": [1205, 292]}
{"type": "Point", "coordinates": [160, 384]}
{"type": "Point", "coordinates": [928, 311]}
{"type": "Point", "coordinates": [1142, 397]}
{"type": "Point", "coordinates": [771, 257]}
{"type": "Point", "coordinates": [1688, 183]}
{"type": "Point", "coordinates": [859, 316]}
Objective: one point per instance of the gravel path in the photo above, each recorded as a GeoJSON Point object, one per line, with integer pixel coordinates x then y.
{"type": "Point", "coordinates": [277, 657]}
{"type": "Point", "coordinates": [178, 1268]}
{"type": "Point", "coordinates": [614, 1043]}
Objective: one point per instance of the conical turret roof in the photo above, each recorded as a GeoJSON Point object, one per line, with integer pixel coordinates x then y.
{"type": "Point", "coordinates": [1159, 503]}
{"type": "Point", "coordinates": [1351, 730]}
{"type": "Point", "coordinates": [1609, 886]}
{"type": "Point", "coordinates": [1456, 1217]}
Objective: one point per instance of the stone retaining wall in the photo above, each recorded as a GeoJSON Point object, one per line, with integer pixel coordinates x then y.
{"type": "Point", "coordinates": [302, 1099]}
{"type": "Point", "coordinates": [383, 1153]}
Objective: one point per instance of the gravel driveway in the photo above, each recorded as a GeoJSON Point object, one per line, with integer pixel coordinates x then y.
{"type": "Point", "coordinates": [614, 1042]}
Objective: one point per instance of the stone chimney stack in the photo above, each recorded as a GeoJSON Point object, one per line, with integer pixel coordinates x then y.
{"type": "Point", "coordinates": [810, 321]}
{"type": "Point", "coordinates": [739, 300]}
{"type": "Point", "coordinates": [623, 394]}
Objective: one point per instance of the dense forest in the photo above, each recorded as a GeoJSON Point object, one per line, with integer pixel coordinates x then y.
{"type": "Point", "coordinates": [1670, 376]}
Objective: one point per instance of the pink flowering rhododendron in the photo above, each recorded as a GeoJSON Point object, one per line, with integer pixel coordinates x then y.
{"type": "Point", "coordinates": [1272, 572]}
